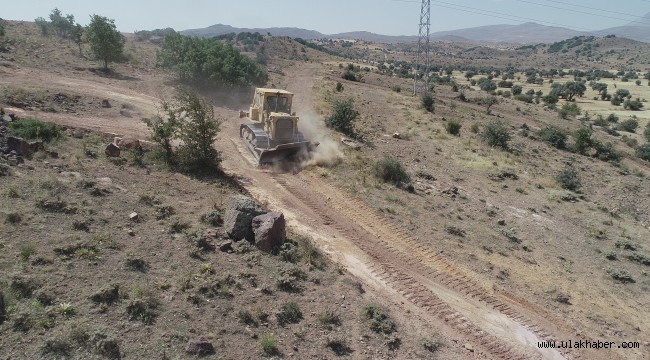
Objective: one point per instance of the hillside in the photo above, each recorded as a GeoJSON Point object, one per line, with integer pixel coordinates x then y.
{"type": "Point", "coordinates": [423, 241]}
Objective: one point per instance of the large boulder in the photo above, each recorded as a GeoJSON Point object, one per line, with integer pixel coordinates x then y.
{"type": "Point", "coordinates": [270, 231]}
{"type": "Point", "coordinates": [112, 150]}
{"type": "Point", "coordinates": [239, 216]}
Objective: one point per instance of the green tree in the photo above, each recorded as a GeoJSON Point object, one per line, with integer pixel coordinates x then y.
{"type": "Point", "coordinates": [489, 102]}
{"type": "Point", "coordinates": [208, 62]}
{"type": "Point", "coordinates": [600, 87]}
{"type": "Point", "coordinates": [106, 42]}
{"type": "Point", "coordinates": [62, 25]}
{"type": "Point", "coordinates": [164, 130]}
{"type": "Point", "coordinates": [517, 90]}
{"type": "Point", "coordinates": [634, 105]}
{"type": "Point", "coordinates": [553, 137]}
{"type": "Point", "coordinates": [198, 129]}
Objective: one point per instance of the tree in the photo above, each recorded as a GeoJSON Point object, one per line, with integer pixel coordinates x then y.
{"type": "Point", "coordinates": [469, 75]}
{"type": "Point", "coordinates": [634, 105]}
{"type": "Point", "coordinates": [106, 42]}
{"type": "Point", "coordinates": [62, 25]}
{"type": "Point", "coordinates": [517, 89]}
{"type": "Point", "coordinates": [600, 87]}
{"type": "Point", "coordinates": [198, 132]}
{"type": "Point", "coordinates": [164, 131]}
{"type": "Point", "coordinates": [571, 89]}
{"type": "Point", "coordinates": [643, 152]}
{"type": "Point", "coordinates": [489, 102]}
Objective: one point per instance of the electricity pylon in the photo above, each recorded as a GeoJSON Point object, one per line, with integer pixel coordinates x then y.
{"type": "Point", "coordinates": [422, 82]}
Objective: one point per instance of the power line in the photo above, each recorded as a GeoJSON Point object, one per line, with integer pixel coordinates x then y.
{"type": "Point", "coordinates": [581, 12]}
{"type": "Point", "coordinates": [510, 17]}
{"type": "Point", "coordinates": [593, 8]}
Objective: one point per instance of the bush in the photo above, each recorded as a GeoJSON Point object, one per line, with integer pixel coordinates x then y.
{"type": "Point", "coordinates": [606, 152]}
{"type": "Point", "coordinates": [396, 88]}
{"type": "Point", "coordinates": [290, 313]}
{"type": "Point", "coordinates": [583, 140]}
{"type": "Point", "coordinates": [568, 178]}
{"type": "Point", "coordinates": [390, 170]}
{"type": "Point", "coordinates": [634, 105]}
{"type": "Point", "coordinates": [628, 125]}
{"type": "Point", "coordinates": [496, 133]}
{"type": "Point", "coordinates": [553, 137]}
{"type": "Point", "coordinates": [339, 86]}
{"type": "Point", "coordinates": [349, 75]}
{"type": "Point", "coordinates": [34, 129]}
{"type": "Point", "coordinates": [569, 109]}
{"type": "Point", "coordinates": [612, 118]}
{"type": "Point", "coordinates": [269, 345]}
{"type": "Point", "coordinates": [428, 102]}
{"type": "Point", "coordinates": [379, 321]}
{"type": "Point", "coordinates": [453, 127]}
{"type": "Point", "coordinates": [646, 132]}
{"type": "Point", "coordinates": [643, 152]}
{"type": "Point", "coordinates": [342, 117]}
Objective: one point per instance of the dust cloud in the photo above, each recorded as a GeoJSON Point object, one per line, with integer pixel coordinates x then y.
{"type": "Point", "coordinates": [328, 153]}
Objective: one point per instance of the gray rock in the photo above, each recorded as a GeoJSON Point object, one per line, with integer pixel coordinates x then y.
{"type": "Point", "coordinates": [239, 216]}
{"type": "Point", "coordinates": [106, 104]}
{"type": "Point", "coordinates": [199, 347]}
{"type": "Point", "coordinates": [112, 150]}
{"type": "Point", "coordinates": [270, 231]}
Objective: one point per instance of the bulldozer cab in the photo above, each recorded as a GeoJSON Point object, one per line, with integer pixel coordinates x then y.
{"type": "Point", "coordinates": [274, 100]}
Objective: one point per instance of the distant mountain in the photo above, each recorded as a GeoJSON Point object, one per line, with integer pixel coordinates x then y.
{"type": "Point", "coordinates": [528, 33]}
{"type": "Point", "coordinates": [220, 29]}
{"type": "Point", "coordinates": [520, 34]}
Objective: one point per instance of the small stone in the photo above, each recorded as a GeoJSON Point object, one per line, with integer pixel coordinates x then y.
{"type": "Point", "coordinates": [397, 135]}
{"type": "Point", "coordinates": [130, 232]}
{"type": "Point", "coordinates": [501, 222]}
{"type": "Point", "coordinates": [469, 347]}
{"type": "Point", "coordinates": [106, 104]}
{"type": "Point", "coordinates": [134, 216]}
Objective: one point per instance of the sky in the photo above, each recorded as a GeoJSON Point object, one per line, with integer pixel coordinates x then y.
{"type": "Point", "coordinates": [387, 17]}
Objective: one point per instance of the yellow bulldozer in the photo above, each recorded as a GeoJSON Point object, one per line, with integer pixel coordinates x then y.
{"type": "Point", "coordinates": [271, 133]}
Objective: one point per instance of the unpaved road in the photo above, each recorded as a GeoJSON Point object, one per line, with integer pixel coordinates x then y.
{"type": "Point", "coordinates": [379, 252]}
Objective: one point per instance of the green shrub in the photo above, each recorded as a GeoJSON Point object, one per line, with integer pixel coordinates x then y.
{"type": "Point", "coordinates": [612, 118]}
{"type": "Point", "coordinates": [396, 88]}
{"type": "Point", "coordinates": [349, 75]}
{"type": "Point", "coordinates": [342, 117]}
{"type": "Point", "coordinates": [496, 133]}
{"type": "Point", "coordinates": [290, 313]}
{"type": "Point", "coordinates": [339, 86]}
{"type": "Point", "coordinates": [270, 344]}
{"type": "Point", "coordinates": [646, 132]}
{"type": "Point", "coordinates": [643, 152]}
{"type": "Point", "coordinates": [629, 125]}
{"type": "Point", "coordinates": [606, 152]}
{"type": "Point", "coordinates": [453, 127]}
{"type": "Point", "coordinates": [634, 105]}
{"type": "Point", "coordinates": [620, 275]}
{"type": "Point", "coordinates": [554, 137]}
{"type": "Point", "coordinates": [568, 178]}
{"type": "Point", "coordinates": [329, 317]}
{"type": "Point", "coordinates": [428, 102]}
{"type": "Point", "coordinates": [379, 321]}
{"type": "Point", "coordinates": [34, 129]}
{"type": "Point", "coordinates": [569, 109]}
{"type": "Point", "coordinates": [391, 170]}
{"type": "Point", "coordinates": [475, 128]}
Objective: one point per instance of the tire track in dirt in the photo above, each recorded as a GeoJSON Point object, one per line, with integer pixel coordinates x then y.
{"type": "Point", "coordinates": [423, 277]}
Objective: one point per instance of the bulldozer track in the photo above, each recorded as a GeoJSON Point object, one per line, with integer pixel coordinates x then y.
{"type": "Point", "coordinates": [408, 266]}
